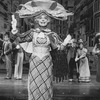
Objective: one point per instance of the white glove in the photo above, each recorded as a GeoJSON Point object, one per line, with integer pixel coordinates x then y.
{"type": "Point", "coordinates": [14, 24]}
{"type": "Point", "coordinates": [67, 40]}
{"type": "Point", "coordinates": [17, 47]}
{"type": "Point", "coordinates": [76, 59]}
{"type": "Point", "coordinates": [98, 51]}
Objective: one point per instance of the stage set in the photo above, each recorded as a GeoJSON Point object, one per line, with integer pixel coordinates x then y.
{"type": "Point", "coordinates": [17, 89]}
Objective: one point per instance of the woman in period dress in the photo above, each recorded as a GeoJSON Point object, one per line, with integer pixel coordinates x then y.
{"type": "Point", "coordinates": [96, 51]}
{"type": "Point", "coordinates": [39, 42]}
{"type": "Point", "coordinates": [84, 71]}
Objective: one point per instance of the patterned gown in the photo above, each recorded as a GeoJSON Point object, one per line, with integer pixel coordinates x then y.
{"type": "Point", "coordinates": [40, 72]}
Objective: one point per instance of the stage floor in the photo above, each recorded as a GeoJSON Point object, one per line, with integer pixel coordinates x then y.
{"type": "Point", "coordinates": [17, 89]}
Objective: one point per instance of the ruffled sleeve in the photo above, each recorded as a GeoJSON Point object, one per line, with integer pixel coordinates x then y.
{"type": "Point", "coordinates": [24, 37]}
{"type": "Point", "coordinates": [25, 40]}
{"type": "Point", "coordinates": [55, 40]}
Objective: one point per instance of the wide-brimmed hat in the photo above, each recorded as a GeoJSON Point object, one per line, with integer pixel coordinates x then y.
{"type": "Point", "coordinates": [80, 41]}
{"type": "Point", "coordinates": [50, 7]}
{"type": "Point", "coordinates": [98, 34]}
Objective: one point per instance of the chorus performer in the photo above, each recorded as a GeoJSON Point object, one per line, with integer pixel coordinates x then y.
{"type": "Point", "coordinates": [84, 71]}
{"type": "Point", "coordinates": [96, 51]}
{"type": "Point", "coordinates": [38, 42]}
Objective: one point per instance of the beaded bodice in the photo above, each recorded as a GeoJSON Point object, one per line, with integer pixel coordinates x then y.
{"type": "Point", "coordinates": [41, 40]}
{"type": "Point", "coordinates": [41, 44]}
{"type": "Point", "coordinates": [81, 52]}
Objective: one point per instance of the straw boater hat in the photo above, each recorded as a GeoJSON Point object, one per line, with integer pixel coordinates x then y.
{"type": "Point", "coordinates": [50, 7]}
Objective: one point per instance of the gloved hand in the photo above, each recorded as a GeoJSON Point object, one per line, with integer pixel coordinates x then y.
{"type": "Point", "coordinates": [76, 59]}
{"type": "Point", "coordinates": [67, 40]}
{"type": "Point", "coordinates": [14, 24]}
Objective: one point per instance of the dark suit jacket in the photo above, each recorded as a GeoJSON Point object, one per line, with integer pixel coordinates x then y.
{"type": "Point", "coordinates": [7, 48]}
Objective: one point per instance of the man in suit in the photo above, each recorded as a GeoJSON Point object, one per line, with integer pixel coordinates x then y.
{"type": "Point", "coordinates": [71, 59]}
{"type": "Point", "coordinates": [7, 46]}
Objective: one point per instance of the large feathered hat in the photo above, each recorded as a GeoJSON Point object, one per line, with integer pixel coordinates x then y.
{"type": "Point", "coordinates": [50, 7]}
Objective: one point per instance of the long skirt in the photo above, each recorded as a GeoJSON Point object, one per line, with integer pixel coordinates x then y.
{"type": "Point", "coordinates": [84, 70]}
{"type": "Point", "coordinates": [60, 65]}
{"type": "Point", "coordinates": [40, 78]}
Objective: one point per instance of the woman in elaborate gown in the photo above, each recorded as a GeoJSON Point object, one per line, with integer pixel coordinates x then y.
{"type": "Point", "coordinates": [84, 71]}
{"type": "Point", "coordinates": [96, 51]}
{"type": "Point", "coordinates": [39, 42]}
